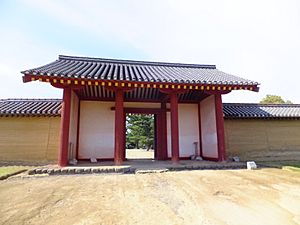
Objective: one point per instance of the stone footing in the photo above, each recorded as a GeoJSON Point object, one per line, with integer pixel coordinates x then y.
{"type": "Point", "coordinates": [132, 169]}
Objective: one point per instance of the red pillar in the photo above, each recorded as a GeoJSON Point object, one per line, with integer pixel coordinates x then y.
{"type": "Point", "coordinates": [119, 128]}
{"type": "Point", "coordinates": [174, 127]}
{"type": "Point", "coordinates": [64, 128]}
{"type": "Point", "coordinates": [220, 127]}
{"type": "Point", "coordinates": [163, 128]}
{"type": "Point", "coordinates": [157, 137]}
{"type": "Point", "coordinates": [200, 130]}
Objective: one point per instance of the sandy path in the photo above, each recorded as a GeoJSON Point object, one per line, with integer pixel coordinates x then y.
{"type": "Point", "coordinates": [268, 196]}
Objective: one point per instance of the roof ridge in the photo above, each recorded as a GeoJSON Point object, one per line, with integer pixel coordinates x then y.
{"type": "Point", "coordinates": [139, 62]}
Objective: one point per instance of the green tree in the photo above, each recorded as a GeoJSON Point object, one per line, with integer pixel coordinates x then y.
{"type": "Point", "coordinates": [140, 130]}
{"type": "Point", "coordinates": [274, 99]}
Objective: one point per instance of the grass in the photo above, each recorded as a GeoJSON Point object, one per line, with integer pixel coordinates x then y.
{"type": "Point", "coordinates": [294, 165]}
{"type": "Point", "coordinates": [8, 170]}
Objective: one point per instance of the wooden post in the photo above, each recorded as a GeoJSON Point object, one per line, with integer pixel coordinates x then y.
{"type": "Point", "coordinates": [64, 128]}
{"type": "Point", "coordinates": [157, 137]}
{"type": "Point", "coordinates": [119, 127]}
{"type": "Point", "coordinates": [220, 127]}
{"type": "Point", "coordinates": [174, 127]}
{"type": "Point", "coordinates": [163, 128]}
{"type": "Point", "coordinates": [200, 130]}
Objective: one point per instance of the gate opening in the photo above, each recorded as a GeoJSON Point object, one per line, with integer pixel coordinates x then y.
{"type": "Point", "coordinates": [140, 136]}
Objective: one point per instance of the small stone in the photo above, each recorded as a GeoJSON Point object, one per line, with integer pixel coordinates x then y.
{"type": "Point", "coordinates": [126, 170]}
{"type": "Point", "coordinates": [71, 170]}
{"type": "Point", "coordinates": [45, 170]}
{"type": "Point", "coordinates": [95, 170]}
{"type": "Point", "coordinates": [38, 171]}
{"type": "Point", "coordinates": [56, 171]}
{"type": "Point", "coordinates": [50, 171]}
{"type": "Point", "coordinates": [79, 171]}
{"type": "Point", "coordinates": [251, 165]}
{"type": "Point", "coordinates": [31, 172]}
{"type": "Point", "coordinates": [93, 160]}
{"type": "Point", "coordinates": [64, 170]}
{"type": "Point", "coordinates": [110, 170]}
{"type": "Point", "coordinates": [87, 170]}
{"type": "Point", "coordinates": [235, 159]}
{"type": "Point", "coordinates": [132, 170]}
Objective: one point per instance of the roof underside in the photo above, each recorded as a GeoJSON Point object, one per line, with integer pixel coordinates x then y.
{"type": "Point", "coordinates": [51, 107]}
{"type": "Point", "coordinates": [135, 71]}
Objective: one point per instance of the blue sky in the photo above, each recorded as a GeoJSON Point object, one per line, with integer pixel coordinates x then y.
{"type": "Point", "coordinates": [258, 40]}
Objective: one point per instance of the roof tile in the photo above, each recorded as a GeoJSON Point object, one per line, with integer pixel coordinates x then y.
{"type": "Point", "coordinates": [129, 70]}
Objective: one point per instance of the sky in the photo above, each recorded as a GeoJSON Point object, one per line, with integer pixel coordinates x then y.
{"type": "Point", "coordinates": [258, 40]}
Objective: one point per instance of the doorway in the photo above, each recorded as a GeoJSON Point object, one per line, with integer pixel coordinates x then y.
{"type": "Point", "coordinates": [140, 136]}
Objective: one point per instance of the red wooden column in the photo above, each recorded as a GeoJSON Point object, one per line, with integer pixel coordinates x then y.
{"type": "Point", "coordinates": [163, 128]}
{"type": "Point", "coordinates": [200, 130]}
{"type": "Point", "coordinates": [64, 128]}
{"type": "Point", "coordinates": [119, 127]}
{"type": "Point", "coordinates": [220, 127]}
{"type": "Point", "coordinates": [174, 127]}
{"type": "Point", "coordinates": [157, 137]}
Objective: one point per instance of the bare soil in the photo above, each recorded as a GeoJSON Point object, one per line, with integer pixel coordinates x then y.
{"type": "Point", "coordinates": [139, 154]}
{"type": "Point", "coordinates": [266, 196]}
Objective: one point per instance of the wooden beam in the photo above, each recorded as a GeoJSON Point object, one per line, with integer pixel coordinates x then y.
{"type": "Point", "coordinates": [141, 110]}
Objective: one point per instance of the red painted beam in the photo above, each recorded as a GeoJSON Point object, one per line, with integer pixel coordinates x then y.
{"type": "Point", "coordinates": [62, 86]}
{"type": "Point", "coordinates": [64, 128]}
{"type": "Point", "coordinates": [165, 87]}
{"type": "Point", "coordinates": [141, 110]}
{"type": "Point", "coordinates": [174, 127]}
{"type": "Point", "coordinates": [220, 127]}
{"type": "Point", "coordinates": [119, 128]}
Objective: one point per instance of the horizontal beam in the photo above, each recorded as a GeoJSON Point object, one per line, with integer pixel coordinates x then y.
{"type": "Point", "coordinates": [142, 110]}
{"type": "Point", "coordinates": [139, 100]}
{"type": "Point", "coordinates": [164, 86]}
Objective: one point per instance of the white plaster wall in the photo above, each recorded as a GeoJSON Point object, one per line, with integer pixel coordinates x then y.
{"type": "Point", "coordinates": [142, 105]}
{"type": "Point", "coordinates": [97, 128]}
{"type": "Point", "coordinates": [188, 129]}
{"type": "Point", "coordinates": [209, 128]}
{"type": "Point", "coordinates": [73, 125]}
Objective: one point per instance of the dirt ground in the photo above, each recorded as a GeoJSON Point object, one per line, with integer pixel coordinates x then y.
{"type": "Point", "coordinates": [266, 196]}
{"type": "Point", "coordinates": [139, 154]}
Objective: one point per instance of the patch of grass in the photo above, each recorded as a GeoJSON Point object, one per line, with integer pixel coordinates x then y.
{"type": "Point", "coordinates": [293, 168]}
{"type": "Point", "coordinates": [8, 170]}
{"type": "Point", "coordinates": [290, 165]}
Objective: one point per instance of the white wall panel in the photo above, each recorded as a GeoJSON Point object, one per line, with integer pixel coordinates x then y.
{"type": "Point", "coordinates": [97, 128]}
{"type": "Point", "coordinates": [209, 128]}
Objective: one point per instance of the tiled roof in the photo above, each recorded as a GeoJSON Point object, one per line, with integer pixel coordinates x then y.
{"type": "Point", "coordinates": [135, 71]}
{"type": "Point", "coordinates": [250, 110]}
{"type": "Point", "coordinates": [51, 107]}
{"type": "Point", "coordinates": [30, 107]}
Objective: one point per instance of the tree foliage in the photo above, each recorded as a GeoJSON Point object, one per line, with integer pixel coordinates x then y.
{"type": "Point", "coordinates": [139, 131]}
{"type": "Point", "coordinates": [274, 99]}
